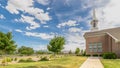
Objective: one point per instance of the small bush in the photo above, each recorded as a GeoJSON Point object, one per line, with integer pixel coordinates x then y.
{"type": "Point", "coordinates": [22, 60]}
{"type": "Point", "coordinates": [44, 59]}
{"type": "Point", "coordinates": [9, 59]}
{"type": "Point", "coordinates": [95, 55]}
{"type": "Point", "coordinates": [30, 60]}
{"type": "Point", "coordinates": [109, 55]}
{"type": "Point", "coordinates": [84, 53]}
{"type": "Point", "coordinates": [15, 59]}
{"type": "Point", "coordinates": [88, 55]}
{"type": "Point", "coordinates": [78, 55]}
{"type": "Point", "coordinates": [3, 61]}
{"type": "Point", "coordinates": [12, 59]}
{"type": "Point", "coordinates": [101, 55]}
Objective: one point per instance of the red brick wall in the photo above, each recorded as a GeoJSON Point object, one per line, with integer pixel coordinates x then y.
{"type": "Point", "coordinates": [102, 39]}
{"type": "Point", "coordinates": [108, 43]}
{"type": "Point", "coordinates": [116, 48]}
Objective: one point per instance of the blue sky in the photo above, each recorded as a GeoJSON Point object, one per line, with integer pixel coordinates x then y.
{"type": "Point", "coordinates": [34, 22]}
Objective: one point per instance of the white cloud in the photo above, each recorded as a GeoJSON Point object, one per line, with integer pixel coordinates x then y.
{"type": "Point", "coordinates": [48, 8]}
{"type": "Point", "coordinates": [29, 20]}
{"type": "Point", "coordinates": [74, 40]}
{"type": "Point", "coordinates": [18, 30]}
{"type": "Point", "coordinates": [43, 36]}
{"type": "Point", "coordinates": [27, 6]}
{"type": "Point", "coordinates": [14, 5]}
{"type": "Point", "coordinates": [74, 29]}
{"type": "Point", "coordinates": [2, 16]}
{"type": "Point", "coordinates": [1, 6]}
{"type": "Point", "coordinates": [44, 2]}
{"type": "Point", "coordinates": [46, 26]}
{"type": "Point", "coordinates": [68, 23]}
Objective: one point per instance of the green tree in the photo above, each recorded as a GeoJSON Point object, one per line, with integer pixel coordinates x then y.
{"type": "Point", "coordinates": [82, 51]}
{"type": "Point", "coordinates": [39, 52]}
{"type": "Point", "coordinates": [25, 50]}
{"type": "Point", "coordinates": [56, 44]}
{"type": "Point", "coordinates": [70, 52]}
{"type": "Point", "coordinates": [77, 51]}
{"type": "Point", "coordinates": [7, 45]}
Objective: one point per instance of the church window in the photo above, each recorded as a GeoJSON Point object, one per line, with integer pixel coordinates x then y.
{"type": "Point", "coordinates": [95, 47]}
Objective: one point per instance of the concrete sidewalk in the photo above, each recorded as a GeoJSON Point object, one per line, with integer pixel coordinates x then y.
{"type": "Point", "coordinates": [92, 62]}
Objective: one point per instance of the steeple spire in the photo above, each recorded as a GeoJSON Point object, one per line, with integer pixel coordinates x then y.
{"type": "Point", "coordinates": [94, 14]}
{"type": "Point", "coordinates": [94, 22]}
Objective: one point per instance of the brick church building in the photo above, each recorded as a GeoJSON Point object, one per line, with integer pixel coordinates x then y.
{"type": "Point", "coordinates": [101, 41]}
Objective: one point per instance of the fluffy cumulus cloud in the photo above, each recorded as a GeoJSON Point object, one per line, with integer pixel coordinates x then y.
{"type": "Point", "coordinates": [29, 20]}
{"type": "Point", "coordinates": [44, 2]}
{"type": "Point", "coordinates": [46, 26]}
{"type": "Point", "coordinates": [74, 40]}
{"type": "Point", "coordinates": [18, 30]}
{"type": "Point", "coordinates": [43, 36]}
{"type": "Point", "coordinates": [27, 6]}
{"type": "Point", "coordinates": [74, 29]}
{"type": "Point", "coordinates": [68, 23]}
{"type": "Point", "coordinates": [2, 16]}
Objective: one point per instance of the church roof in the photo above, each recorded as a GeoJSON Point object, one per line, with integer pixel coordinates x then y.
{"type": "Point", "coordinates": [113, 32]}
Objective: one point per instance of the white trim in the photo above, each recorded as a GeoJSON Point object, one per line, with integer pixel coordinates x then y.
{"type": "Point", "coordinates": [102, 34]}
{"type": "Point", "coordinates": [116, 40]}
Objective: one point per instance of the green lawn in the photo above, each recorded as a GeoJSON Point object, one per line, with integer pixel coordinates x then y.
{"type": "Point", "coordinates": [111, 63]}
{"type": "Point", "coordinates": [64, 62]}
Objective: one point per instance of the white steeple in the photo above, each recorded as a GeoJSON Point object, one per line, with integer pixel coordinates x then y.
{"type": "Point", "coordinates": [94, 22]}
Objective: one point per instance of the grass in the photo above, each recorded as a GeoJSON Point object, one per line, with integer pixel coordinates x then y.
{"type": "Point", "coordinates": [111, 63]}
{"type": "Point", "coordinates": [64, 62]}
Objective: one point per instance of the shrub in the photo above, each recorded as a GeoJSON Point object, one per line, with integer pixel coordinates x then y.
{"type": "Point", "coordinates": [101, 55]}
{"type": "Point", "coordinates": [15, 59]}
{"type": "Point", "coordinates": [88, 55]}
{"type": "Point", "coordinates": [12, 59]}
{"type": "Point", "coordinates": [78, 55]}
{"type": "Point", "coordinates": [109, 55]}
{"type": "Point", "coordinates": [95, 55]}
{"type": "Point", "coordinates": [3, 61]}
{"type": "Point", "coordinates": [8, 59]}
{"type": "Point", "coordinates": [84, 53]}
{"type": "Point", "coordinates": [30, 60]}
{"type": "Point", "coordinates": [44, 59]}
{"type": "Point", "coordinates": [22, 60]}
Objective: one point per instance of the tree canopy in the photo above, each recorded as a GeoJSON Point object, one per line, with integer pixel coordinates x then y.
{"type": "Point", "coordinates": [7, 44]}
{"type": "Point", "coordinates": [26, 50]}
{"type": "Point", "coordinates": [77, 51]}
{"type": "Point", "coordinates": [70, 52]}
{"type": "Point", "coordinates": [56, 44]}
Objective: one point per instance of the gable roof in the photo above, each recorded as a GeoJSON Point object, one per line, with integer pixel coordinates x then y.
{"type": "Point", "coordinates": [113, 32]}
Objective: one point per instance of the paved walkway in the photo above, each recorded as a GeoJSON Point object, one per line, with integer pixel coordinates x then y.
{"type": "Point", "coordinates": [92, 62]}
